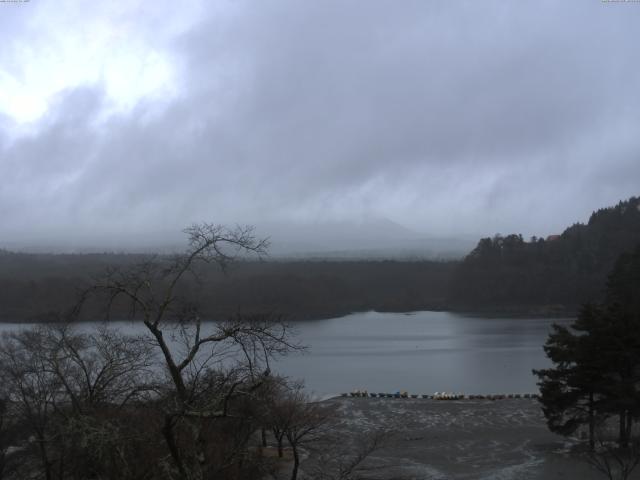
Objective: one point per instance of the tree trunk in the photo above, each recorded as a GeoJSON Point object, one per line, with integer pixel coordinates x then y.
{"type": "Point", "coordinates": [175, 373]}
{"type": "Point", "coordinates": [280, 450]}
{"type": "Point", "coordinates": [592, 424]}
{"type": "Point", "coordinates": [623, 440]}
{"type": "Point", "coordinates": [296, 462]}
{"type": "Point", "coordinates": [263, 433]}
{"type": "Point", "coordinates": [167, 432]}
{"type": "Point", "coordinates": [45, 459]}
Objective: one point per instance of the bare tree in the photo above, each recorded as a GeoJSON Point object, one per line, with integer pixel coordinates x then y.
{"type": "Point", "coordinates": [3, 428]}
{"type": "Point", "coordinates": [32, 389]}
{"type": "Point", "coordinates": [104, 375]}
{"type": "Point", "coordinates": [104, 367]}
{"type": "Point", "coordinates": [7, 432]}
{"type": "Point", "coordinates": [275, 417]}
{"type": "Point", "coordinates": [209, 364]}
{"type": "Point", "coordinates": [61, 388]}
{"type": "Point", "coordinates": [349, 463]}
{"type": "Point", "coordinates": [294, 416]}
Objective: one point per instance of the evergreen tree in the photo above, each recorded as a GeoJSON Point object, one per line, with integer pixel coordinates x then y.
{"type": "Point", "coordinates": [596, 372]}
{"type": "Point", "coordinates": [621, 342]}
{"type": "Point", "coordinates": [570, 391]}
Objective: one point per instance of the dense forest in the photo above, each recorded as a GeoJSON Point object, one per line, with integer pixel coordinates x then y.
{"type": "Point", "coordinates": [502, 274]}
{"type": "Point", "coordinates": [44, 287]}
{"type": "Point", "coordinates": [558, 273]}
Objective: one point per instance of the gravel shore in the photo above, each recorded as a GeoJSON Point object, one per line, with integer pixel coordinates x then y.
{"type": "Point", "coordinates": [460, 439]}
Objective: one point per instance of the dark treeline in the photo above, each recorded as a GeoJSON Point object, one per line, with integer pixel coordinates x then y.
{"type": "Point", "coordinates": [559, 272]}
{"type": "Point", "coordinates": [503, 273]}
{"type": "Point", "coordinates": [43, 287]}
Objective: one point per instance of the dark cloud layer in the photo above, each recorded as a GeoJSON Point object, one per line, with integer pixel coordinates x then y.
{"type": "Point", "coordinates": [446, 117]}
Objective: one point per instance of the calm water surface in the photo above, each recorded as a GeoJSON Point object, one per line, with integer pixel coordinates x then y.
{"type": "Point", "coordinates": [420, 352]}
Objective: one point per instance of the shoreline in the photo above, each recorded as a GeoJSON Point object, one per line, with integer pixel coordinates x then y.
{"type": "Point", "coordinates": [441, 396]}
{"type": "Point", "coordinates": [462, 439]}
{"type": "Point", "coordinates": [543, 311]}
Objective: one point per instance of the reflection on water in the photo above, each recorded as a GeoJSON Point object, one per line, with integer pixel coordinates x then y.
{"type": "Point", "coordinates": [422, 352]}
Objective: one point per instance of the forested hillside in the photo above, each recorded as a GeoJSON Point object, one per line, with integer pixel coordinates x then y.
{"type": "Point", "coordinates": [45, 287]}
{"type": "Point", "coordinates": [503, 273]}
{"type": "Point", "coordinates": [557, 273]}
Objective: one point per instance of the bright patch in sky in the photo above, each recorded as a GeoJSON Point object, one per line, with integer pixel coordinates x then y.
{"type": "Point", "coordinates": [17, 101]}
{"type": "Point", "coordinates": [59, 50]}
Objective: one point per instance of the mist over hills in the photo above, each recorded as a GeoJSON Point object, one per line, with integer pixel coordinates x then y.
{"type": "Point", "coordinates": [312, 273]}
{"type": "Point", "coordinates": [372, 238]}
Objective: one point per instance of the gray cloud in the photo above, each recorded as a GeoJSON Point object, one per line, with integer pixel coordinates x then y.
{"type": "Point", "coordinates": [447, 117]}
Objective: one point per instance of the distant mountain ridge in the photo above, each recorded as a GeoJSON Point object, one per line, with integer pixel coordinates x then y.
{"type": "Point", "coordinates": [565, 270]}
{"type": "Point", "coordinates": [373, 238]}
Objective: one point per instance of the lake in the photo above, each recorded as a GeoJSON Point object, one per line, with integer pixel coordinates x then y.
{"type": "Point", "coordinates": [421, 352]}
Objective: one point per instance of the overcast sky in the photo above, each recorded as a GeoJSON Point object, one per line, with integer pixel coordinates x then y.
{"type": "Point", "coordinates": [447, 117]}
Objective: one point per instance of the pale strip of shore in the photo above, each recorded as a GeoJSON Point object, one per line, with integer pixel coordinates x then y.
{"type": "Point", "coordinates": [468, 438]}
